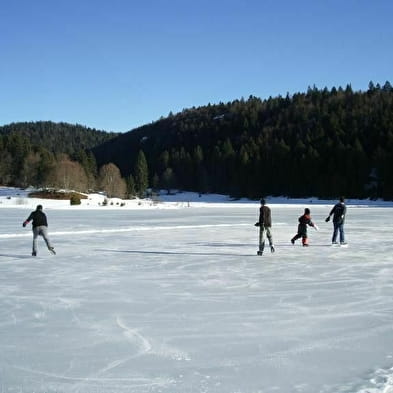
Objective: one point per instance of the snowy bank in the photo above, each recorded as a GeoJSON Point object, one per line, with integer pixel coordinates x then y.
{"type": "Point", "coordinates": [15, 197]}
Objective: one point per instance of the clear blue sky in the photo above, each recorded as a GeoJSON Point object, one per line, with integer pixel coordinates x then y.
{"type": "Point", "coordinates": [118, 64]}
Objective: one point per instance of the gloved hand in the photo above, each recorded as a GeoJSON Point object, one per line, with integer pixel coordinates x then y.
{"type": "Point", "coordinates": [24, 224]}
{"type": "Point", "coordinates": [257, 224]}
{"type": "Point", "coordinates": [327, 219]}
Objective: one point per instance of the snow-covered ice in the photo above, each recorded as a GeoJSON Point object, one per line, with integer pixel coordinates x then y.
{"type": "Point", "coordinates": [175, 300]}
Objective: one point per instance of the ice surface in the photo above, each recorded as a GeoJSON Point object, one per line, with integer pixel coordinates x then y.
{"type": "Point", "coordinates": [176, 301]}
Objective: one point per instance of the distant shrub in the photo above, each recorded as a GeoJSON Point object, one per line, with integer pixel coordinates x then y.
{"type": "Point", "coordinates": [75, 200]}
{"type": "Point", "coordinates": [54, 194]}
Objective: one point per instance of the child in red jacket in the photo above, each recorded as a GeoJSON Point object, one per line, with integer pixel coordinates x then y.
{"type": "Point", "coordinates": [304, 220]}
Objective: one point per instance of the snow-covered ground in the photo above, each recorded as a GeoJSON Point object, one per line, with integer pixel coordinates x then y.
{"type": "Point", "coordinates": [170, 297]}
{"type": "Point", "coordinates": [11, 197]}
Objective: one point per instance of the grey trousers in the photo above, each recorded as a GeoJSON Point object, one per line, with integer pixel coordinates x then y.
{"type": "Point", "coordinates": [40, 231]}
{"type": "Point", "coordinates": [262, 231]}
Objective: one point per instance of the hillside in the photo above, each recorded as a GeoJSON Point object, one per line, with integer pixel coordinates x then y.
{"type": "Point", "coordinates": [57, 137]}
{"type": "Point", "coordinates": [47, 154]}
{"type": "Point", "coordinates": [319, 143]}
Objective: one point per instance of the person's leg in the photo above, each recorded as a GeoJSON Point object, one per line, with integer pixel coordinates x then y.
{"type": "Point", "coordinates": [35, 236]}
{"type": "Point", "coordinates": [335, 230]}
{"type": "Point", "coordinates": [305, 240]}
{"type": "Point", "coordinates": [342, 234]}
{"type": "Point", "coordinates": [43, 231]}
{"type": "Point", "coordinates": [270, 238]}
{"type": "Point", "coordinates": [269, 235]}
{"type": "Point", "coordinates": [297, 236]}
{"type": "Point", "coordinates": [261, 238]}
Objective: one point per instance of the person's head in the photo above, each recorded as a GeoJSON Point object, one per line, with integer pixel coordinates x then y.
{"type": "Point", "coordinates": [342, 199]}
{"type": "Point", "coordinates": [263, 202]}
{"type": "Point", "coordinates": [306, 210]}
{"type": "Point", "coordinates": [39, 207]}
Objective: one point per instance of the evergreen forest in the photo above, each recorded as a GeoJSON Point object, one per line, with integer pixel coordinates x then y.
{"type": "Point", "coordinates": [48, 154]}
{"type": "Point", "coordinates": [323, 143]}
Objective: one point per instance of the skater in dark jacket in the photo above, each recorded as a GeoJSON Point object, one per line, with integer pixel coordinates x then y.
{"type": "Point", "coordinates": [338, 212]}
{"type": "Point", "coordinates": [304, 220]}
{"type": "Point", "coordinates": [40, 228]}
{"type": "Point", "coordinates": [265, 227]}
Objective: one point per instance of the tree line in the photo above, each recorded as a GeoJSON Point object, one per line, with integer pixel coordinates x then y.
{"type": "Point", "coordinates": [54, 155]}
{"type": "Point", "coordinates": [25, 164]}
{"type": "Point", "coordinates": [320, 143]}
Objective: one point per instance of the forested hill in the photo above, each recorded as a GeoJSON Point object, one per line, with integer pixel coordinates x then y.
{"type": "Point", "coordinates": [319, 143]}
{"type": "Point", "coordinates": [47, 154]}
{"type": "Point", "coordinates": [57, 137]}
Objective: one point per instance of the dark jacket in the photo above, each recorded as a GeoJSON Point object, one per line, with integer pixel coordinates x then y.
{"type": "Point", "coordinates": [38, 218]}
{"type": "Point", "coordinates": [265, 216]}
{"type": "Point", "coordinates": [304, 220]}
{"type": "Point", "coordinates": [339, 210]}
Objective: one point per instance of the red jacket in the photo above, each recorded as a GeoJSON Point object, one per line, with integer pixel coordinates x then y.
{"type": "Point", "coordinates": [304, 220]}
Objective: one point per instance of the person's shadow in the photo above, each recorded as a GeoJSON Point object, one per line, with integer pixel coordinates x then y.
{"type": "Point", "coordinates": [176, 253]}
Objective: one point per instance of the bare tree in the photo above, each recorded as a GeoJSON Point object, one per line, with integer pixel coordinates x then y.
{"type": "Point", "coordinates": [111, 182]}
{"type": "Point", "coordinates": [68, 175]}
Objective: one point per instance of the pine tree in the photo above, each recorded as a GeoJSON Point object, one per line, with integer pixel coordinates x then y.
{"type": "Point", "coordinates": [45, 166]}
{"type": "Point", "coordinates": [130, 181]}
{"type": "Point", "coordinates": [168, 179]}
{"type": "Point", "coordinates": [156, 182]}
{"type": "Point", "coordinates": [141, 173]}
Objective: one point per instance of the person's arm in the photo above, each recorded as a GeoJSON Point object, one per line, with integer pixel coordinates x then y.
{"type": "Point", "coordinates": [331, 212]}
{"type": "Point", "coordinates": [344, 213]}
{"type": "Point", "coordinates": [312, 224]}
{"type": "Point", "coordinates": [258, 223]}
{"type": "Point", "coordinates": [27, 220]}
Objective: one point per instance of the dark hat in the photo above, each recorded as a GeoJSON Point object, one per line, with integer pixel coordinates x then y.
{"type": "Point", "coordinates": [306, 210]}
{"type": "Point", "coordinates": [263, 202]}
{"type": "Point", "coordinates": [39, 207]}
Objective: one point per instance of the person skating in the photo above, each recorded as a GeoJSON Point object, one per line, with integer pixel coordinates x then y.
{"type": "Point", "coordinates": [338, 212]}
{"type": "Point", "coordinates": [265, 227]}
{"type": "Point", "coordinates": [40, 228]}
{"type": "Point", "coordinates": [304, 221]}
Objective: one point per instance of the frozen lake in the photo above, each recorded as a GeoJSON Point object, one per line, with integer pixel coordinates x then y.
{"type": "Point", "coordinates": [176, 301]}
